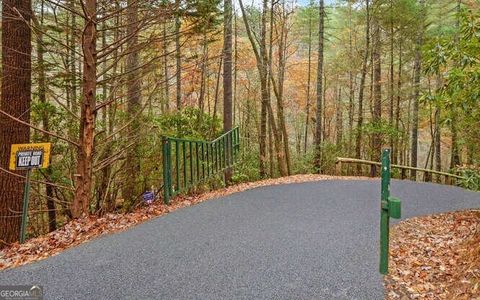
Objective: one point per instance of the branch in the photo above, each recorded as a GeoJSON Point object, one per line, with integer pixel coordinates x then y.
{"type": "Point", "coordinates": [39, 129]}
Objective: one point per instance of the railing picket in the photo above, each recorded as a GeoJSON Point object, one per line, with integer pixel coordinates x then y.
{"type": "Point", "coordinates": [184, 146]}
{"type": "Point", "coordinates": [191, 163]}
{"type": "Point", "coordinates": [197, 162]}
{"type": "Point", "coordinates": [209, 154]}
{"type": "Point", "coordinates": [203, 161]}
{"type": "Point", "coordinates": [217, 155]}
{"type": "Point", "coordinates": [224, 148]}
{"type": "Point", "coordinates": [210, 158]}
{"type": "Point", "coordinates": [177, 165]}
{"type": "Point", "coordinates": [166, 174]}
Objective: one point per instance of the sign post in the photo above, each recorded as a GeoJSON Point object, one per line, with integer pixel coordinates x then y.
{"type": "Point", "coordinates": [390, 208]}
{"type": "Point", "coordinates": [26, 198]}
{"type": "Point", "coordinates": [28, 157]}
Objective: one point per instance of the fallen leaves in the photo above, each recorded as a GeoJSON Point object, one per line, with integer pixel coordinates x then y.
{"type": "Point", "coordinates": [435, 257]}
{"type": "Point", "coordinates": [85, 229]}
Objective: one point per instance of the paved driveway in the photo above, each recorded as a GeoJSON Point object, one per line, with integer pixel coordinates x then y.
{"type": "Point", "coordinates": [299, 241]}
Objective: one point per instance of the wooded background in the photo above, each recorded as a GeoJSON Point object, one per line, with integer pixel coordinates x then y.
{"type": "Point", "coordinates": [103, 80]}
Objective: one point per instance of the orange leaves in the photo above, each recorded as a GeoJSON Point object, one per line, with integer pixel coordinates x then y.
{"type": "Point", "coordinates": [430, 257]}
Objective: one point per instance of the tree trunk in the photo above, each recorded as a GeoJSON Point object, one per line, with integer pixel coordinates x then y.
{"type": "Point", "coordinates": [42, 97]}
{"type": "Point", "coordinates": [178, 57]}
{"type": "Point", "coordinates": [391, 82]}
{"type": "Point", "coordinates": [235, 45]}
{"type": "Point", "coordinates": [73, 59]}
{"type": "Point", "coordinates": [351, 105]}
{"type": "Point", "coordinates": [85, 151]}
{"type": "Point", "coordinates": [358, 148]}
{"type": "Point", "coordinates": [339, 117]}
{"type": "Point", "coordinates": [438, 132]}
{"type": "Point", "coordinates": [397, 148]}
{"type": "Point", "coordinates": [280, 87]}
{"type": "Point", "coordinates": [217, 86]}
{"type": "Point", "coordinates": [227, 76]}
{"type": "Point", "coordinates": [201, 98]}
{"type": "Point", "coordinates": [132, 163]}
{"type": "Point", "coordinates": [15, 101]}
{"type": "Point", "coordinates": [309, 76]}
{"type": "Point", "coordinates": [416, 96]}
{"type": "Point", "coordinates": [266, 109]}
{"type": "Point", "coordinates": [377, 94]}
{"type": "Point", "coordinates": [165, 67]}
{"type": "Point", "coordinates": [270, 151]}
{"type": "Point", "coordinates": [318, 124]}
{"type": "Point", "coordinates": [455, 153]}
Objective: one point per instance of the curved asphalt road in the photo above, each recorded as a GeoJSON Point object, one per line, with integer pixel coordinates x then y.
{"type": "Point", "coordinates": [300, 241]}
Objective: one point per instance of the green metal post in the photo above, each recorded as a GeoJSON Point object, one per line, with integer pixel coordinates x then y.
{"type": "Point", "coordinates": [209, 154]}
{"type": "Point", "coordinates": [166, 173]}
{"type": "Point", "coordinates": [385, 218]}
{"type": "Point", "coordinates": [184, 165]}
{"type": "Point", "coordinates": [215, 155]}
{"type": "Point", "coordinates": [190, 146]}
{"type": "Point", "coordinates": [227, 150]}
{"type": "Point", "coordinates": [169, 164]}
{"type": "Point", "coordinates": [203, 161]}
{"type": "Point", "coordinates": [197, 161]}
{"type": "Point", "coordinates": [26, 197]}
{"type": "Point", "coordinates": [177, 165]}
{"type": "Point", "coordinates": [219, 156]}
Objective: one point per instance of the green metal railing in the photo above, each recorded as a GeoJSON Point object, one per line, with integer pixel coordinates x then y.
{"type": "Point", "coordinates": [187, 162]}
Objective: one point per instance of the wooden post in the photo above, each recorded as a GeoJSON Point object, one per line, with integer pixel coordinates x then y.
{"type": "Point", "coordinates": [338, 168]}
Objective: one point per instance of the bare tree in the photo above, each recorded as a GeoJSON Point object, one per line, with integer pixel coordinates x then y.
{"type": "Point", "coordinates": [227, 74]}
{"type": "Point", "coordinates": [318, 124]}
{"type": "Point", "coordinates": [377, 92]}
{"type": "Point", "coordinates": [130, 192]}
{"type": "Point", "coordinates": [416, 95]}
{"type": "Point", "coordinates": [361, 93]}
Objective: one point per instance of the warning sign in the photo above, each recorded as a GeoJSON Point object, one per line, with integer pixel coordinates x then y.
{"type": "Point", "coordinates": [30, 156]}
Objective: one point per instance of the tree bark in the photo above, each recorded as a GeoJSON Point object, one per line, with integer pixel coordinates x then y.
{"type": "Point", "coordinates": [361, 93]}
{"type": "Point", "coordinates": [339, 117]}
{"type": "Point", "coordinates": [227, 76]}
{"type": "Point", "coordinates": [178, 57]}
{"type": "Point", "coordinates": [377, 94]}
{"type": "Point", "coordinates": [416, 96]}
{"type": "Point", "coordinates": [15, 101]}
{"type": "Point", "coordinates": [455, 153]}
{"type": "Point", "coordinates": [279, 87]}
{"type": "Point", "coordinates": [438, 132]}
{"type": "Point", "coordinates": [392, 78]}
{"type": "Point", "coordinates": [165, 67]}
{"type": "Point", "coordinates": [85, 150]}
{"type": "Point", "coordinates": [397, 149]}
{"type": "Point", "coordinates": [266, 109]}
{"type": "Point", "coordinates": [42, 97]}
{"type": "Point", "coordinates": [309, 76]}
{"type": "Point", "coordinates": [132, 166]}
{"type": "Point", "coordinates": [351, 104]}
{"type": "Point", "coordinates": [318, 121]}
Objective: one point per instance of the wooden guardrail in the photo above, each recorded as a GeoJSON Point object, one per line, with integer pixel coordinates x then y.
{"type": "Point", "coordinates": [449, 178]}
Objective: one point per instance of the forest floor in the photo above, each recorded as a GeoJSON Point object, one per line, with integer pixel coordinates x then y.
{"type": "Point", "coordinates": [82, 230]}
{"type": "Point", "coordinates": [436, 257]}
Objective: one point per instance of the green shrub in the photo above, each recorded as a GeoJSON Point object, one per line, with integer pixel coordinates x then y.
{"type": "Point", "coordinates": [189, 123]}
{"type": "Point", "coordinates": [472, 177]}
